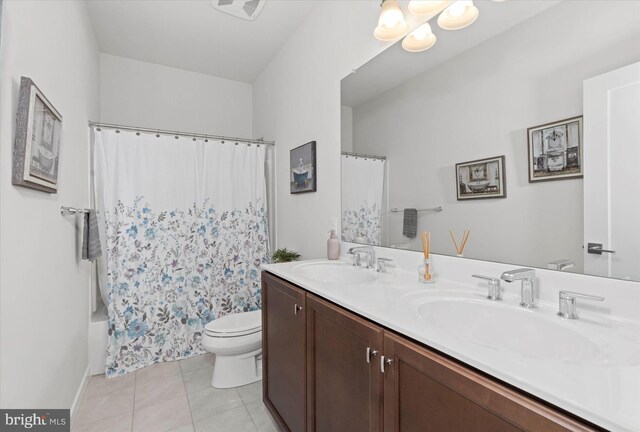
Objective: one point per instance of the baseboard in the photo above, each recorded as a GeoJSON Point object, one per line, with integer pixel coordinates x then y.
{"type": "Point", "coordinates": [80, 393]}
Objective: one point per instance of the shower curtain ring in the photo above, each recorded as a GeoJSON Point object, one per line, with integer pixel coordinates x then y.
{"type": "Point", "coordinates": [206, 138]}
{"type": "Point", "coordinates": [158, 134]}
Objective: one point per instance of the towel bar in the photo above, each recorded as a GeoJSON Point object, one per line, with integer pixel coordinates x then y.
{"type": "Point", "coordinates": [68, 211]}
{"type": "Point", "coordinates": [435, 209]}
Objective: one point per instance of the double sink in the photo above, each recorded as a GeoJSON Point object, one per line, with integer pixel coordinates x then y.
{"type": "Point", "coordinates": [460, 311]}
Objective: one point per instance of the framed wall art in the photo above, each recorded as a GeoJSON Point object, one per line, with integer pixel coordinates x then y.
{"type": "Point", "coordinates": [483, 178]}
{"type": "Point", "coordinates": [555, 150]}
{"type": "Point", "coordinates": [36, 149]}
{"type": "Point", "coordinates": [302, 166]}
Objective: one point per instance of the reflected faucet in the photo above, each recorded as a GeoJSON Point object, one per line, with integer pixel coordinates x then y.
{"type": "Point", "coordinates": [525, 275]}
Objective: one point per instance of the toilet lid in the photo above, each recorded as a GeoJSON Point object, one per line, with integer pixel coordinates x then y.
{"type": "Point", "coordinates": [236, 325]}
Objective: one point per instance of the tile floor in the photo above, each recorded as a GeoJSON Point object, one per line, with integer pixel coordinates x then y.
{"type": "Point", "coordinates": [171, 397]}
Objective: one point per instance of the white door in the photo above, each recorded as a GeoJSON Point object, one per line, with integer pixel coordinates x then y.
{"type": "Point", "coordinates": [612, 173]}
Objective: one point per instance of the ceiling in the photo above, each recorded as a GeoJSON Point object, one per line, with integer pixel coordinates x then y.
{"type": "Point", "coordinates": [395, 65]}
{"type": "Point", "coordinates": [192, 35]}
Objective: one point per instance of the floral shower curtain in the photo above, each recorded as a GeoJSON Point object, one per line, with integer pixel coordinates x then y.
{"type": "Point", "coordinates": [184, 229]}
{"type": "Point", "coordinates": [362, 190]}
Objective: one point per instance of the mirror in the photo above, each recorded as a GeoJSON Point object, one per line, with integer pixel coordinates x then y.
{"type": "Point", "coordinates": [486, 131]}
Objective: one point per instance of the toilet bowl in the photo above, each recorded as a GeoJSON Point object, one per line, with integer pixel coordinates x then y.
{"type": "Point", "coordinates": [236, 341]}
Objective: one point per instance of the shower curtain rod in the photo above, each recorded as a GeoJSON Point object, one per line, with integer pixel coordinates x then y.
{"type": "Point", "coordinates": [363, 155]}
{"type": "Point", "coordinates": [177, 134]}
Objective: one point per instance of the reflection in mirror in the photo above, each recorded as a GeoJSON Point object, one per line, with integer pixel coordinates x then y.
{"type": "Point", "coordinates": [504, 127]}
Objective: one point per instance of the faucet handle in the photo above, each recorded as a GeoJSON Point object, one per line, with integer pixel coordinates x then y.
{"type": "Point", "coordinates": [382, 264]}
{"type": "Point", "coordinates": [567, 303]}
{"type": "Point", "coordinates": [494, 287]}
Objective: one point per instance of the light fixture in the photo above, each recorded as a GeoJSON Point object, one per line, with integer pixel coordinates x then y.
{"type": "Point", "coordinates": [391, 24]}
{"type": "Point", "coordinates": [420, 39]}
{"type": "Point", "coordinates": [427, 7]}
{"type": "Point", "coordinates": [459, 15]}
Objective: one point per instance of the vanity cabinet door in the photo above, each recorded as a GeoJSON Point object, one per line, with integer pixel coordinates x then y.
{"type": "Point", "coordinates": [344, 382]}
{"type": "Point", "coordinates": [283, 352]}
{"type": "Point", "coordinates": [426, 392]}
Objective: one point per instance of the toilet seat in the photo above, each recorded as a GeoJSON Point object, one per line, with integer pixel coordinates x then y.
{"type": "Point", "coordinates": [236, 325]}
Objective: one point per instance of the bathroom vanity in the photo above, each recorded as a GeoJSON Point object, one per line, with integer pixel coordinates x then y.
{"type": "Point", "coordinates": [331, 364]}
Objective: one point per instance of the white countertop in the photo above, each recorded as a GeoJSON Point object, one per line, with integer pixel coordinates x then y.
{"type": "Point", "coordinates": [604, 394]}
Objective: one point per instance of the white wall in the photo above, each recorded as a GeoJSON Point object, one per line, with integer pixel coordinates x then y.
{"type": "Point", "coordinates": [520, 78]}
{"type": "Point", "coordinates": [346, 128]}
{"type": "Point", "coordinates": [44, 286]}
{"type": "Point", "coordinates": [296, 99]}
{"type": "Point", "coordinates": [137, 93]}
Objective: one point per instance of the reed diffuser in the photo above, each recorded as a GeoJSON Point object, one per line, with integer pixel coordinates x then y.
{"type": "Point", "coordinates": [425, 271]}
{"type": "Point", "coordinates": [463, 242]}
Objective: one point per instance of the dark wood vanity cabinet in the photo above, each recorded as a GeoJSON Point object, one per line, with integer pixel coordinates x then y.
{"type": "Point", "coordinates": [425, 391]}
{"type": "Point", "coordinates": [344, 383]}
{"type": "Point", "coordinates": [327, 369]}
{"type": "Point", "coordinates": [284, 352]}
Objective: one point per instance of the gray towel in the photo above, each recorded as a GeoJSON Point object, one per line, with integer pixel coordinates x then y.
{"type": "Point", "coordinates": [91, 249]}
{"type": "Point", "coordinates": [410, 223]}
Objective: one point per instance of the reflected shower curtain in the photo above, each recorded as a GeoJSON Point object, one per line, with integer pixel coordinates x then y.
{"type": "Point", "coordinates": [184, 229]}
{"type": "Point", "coordinates": [362, 190]}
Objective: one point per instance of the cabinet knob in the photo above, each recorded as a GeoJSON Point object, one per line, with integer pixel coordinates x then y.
{"type": "Point", "coordinates": [371, 353]}
{"type": "Point", "coordinates": [296, 309]}
{"type": "Point", "coordinates": [384, 362]}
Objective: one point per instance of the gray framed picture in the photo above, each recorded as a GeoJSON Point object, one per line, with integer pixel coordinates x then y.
{"type": "Point", "coordinates": [302, 168]}
{"type": "Point", "coordinates": [36, 149]}
{"type": "Point", "coordinates": [555, 150]}
{"type": "Point", "coordinates": [483, 178]}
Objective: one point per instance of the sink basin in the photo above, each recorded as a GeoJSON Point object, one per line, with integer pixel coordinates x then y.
{"type": "Point", "coordinates": [335, 272]}
{"type": "Point", "coordinates": [505, 327]}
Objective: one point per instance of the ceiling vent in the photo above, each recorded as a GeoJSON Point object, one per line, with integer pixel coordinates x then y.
{"type": "Point", "coordinates": [245, 9]}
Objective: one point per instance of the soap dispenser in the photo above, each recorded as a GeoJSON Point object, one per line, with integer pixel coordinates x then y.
{"type": "Point", "coordinates": [333, 245]}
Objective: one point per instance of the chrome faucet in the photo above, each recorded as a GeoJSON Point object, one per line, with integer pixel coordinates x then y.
{"type": "Point", "coordinates": [368, 250]}
{"type": "Point", "coordinates": [567, 305]}
{"type": "Point", "coordinates": [525, 275]}
{"type": "Point", "coordinates": [382, 263]}
{"type": "Point", "coordinates": [494, 287]}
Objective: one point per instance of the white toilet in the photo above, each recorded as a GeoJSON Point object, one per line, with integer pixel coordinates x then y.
{"type": "Point", "coordinates": [236, 341]}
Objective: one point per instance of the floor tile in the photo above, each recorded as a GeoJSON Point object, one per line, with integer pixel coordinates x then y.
{"type": "Point", "coordinates": [158, 370]}
{"type": "Point", "coordinates": [251, 392]}
{"type": "Point", "coordinates": [197, 380]}
{"type": "Point", "coordinates": [197, 362]}
{"type": "Point", "coordinates": [96, 408]}
{"type": "Point", "coordinates": [162, 416]}
{"type": "Point", "coordinates": [117, 423]}
{"type": "Point", "coordinates": [185, 428]}
{"type": "Point", "coordinates": [99, 385]}
{"type": "Point", "coordinates": [261, 417]}
{"type": "Point", "coordinates": [211, 401]}
{"type": "Point", "coordinates": [236, 420]}
{"type": "Point", "coordinates": [152, 391]}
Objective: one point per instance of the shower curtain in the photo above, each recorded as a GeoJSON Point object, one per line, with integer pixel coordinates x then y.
{"type": "Point", "coordinates": [362, 190]}
{"type": "Point", "coordinates": [184, 230]}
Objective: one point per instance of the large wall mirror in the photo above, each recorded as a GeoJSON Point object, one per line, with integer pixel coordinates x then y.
{"type": "Point", "coordinates": [501, 129]}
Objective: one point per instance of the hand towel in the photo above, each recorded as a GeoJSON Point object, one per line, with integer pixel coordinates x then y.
{"type": "Point", "coordinates": [91, 249]}
{"type": "Point", "coordinates": [410, 222]}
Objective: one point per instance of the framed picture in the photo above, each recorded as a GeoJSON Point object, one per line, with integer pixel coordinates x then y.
{"type": "Point", "coordinates": [303, 173]}
{"type": "Point", "coordinates": [36, 150]}
{"type": "Point", "coordinates": [484, 178]}
{"type": "Point", "coordinates": [555, 150]}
